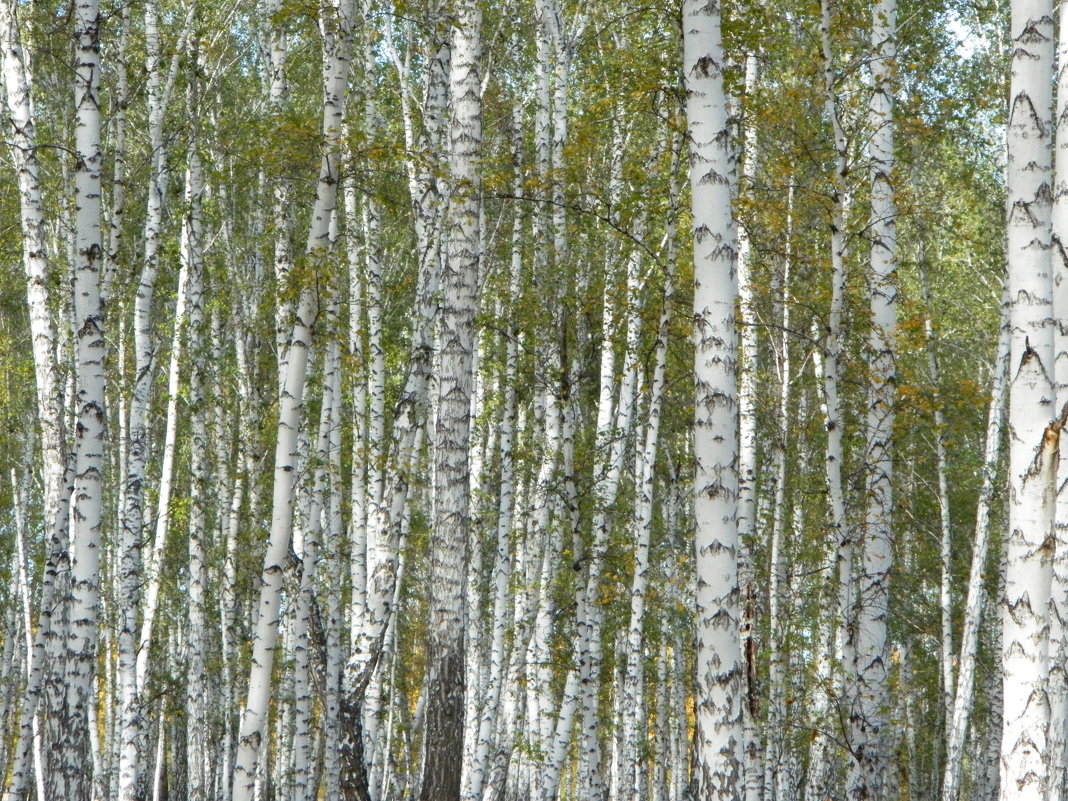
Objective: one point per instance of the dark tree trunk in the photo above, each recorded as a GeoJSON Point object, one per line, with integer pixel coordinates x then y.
{"type": "Point", "coordinates": [444, 722]}
{"type": "Point", "coordinates": [354, 785]}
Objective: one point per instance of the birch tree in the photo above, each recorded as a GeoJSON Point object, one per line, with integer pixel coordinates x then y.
{"type": "Point", "coordinates": [642, 525]}
{"type": "Point", "coordinates": [1058, 639]}
{"type": "Point", "coordinates": [133, 638]}
{"type": "Point", "coordinates": [747, 439]}
{"type": "Point", "coordinates": [48, 381]}
{"type": "Point", "coordinates": [337, 27]}
{"type": "Point", "coordinates": [1033, 438]}
{"type": "Point", "coordinates": [89, 441]}
{"type": "Point", "coordinates": [198, 760]}
{"type": "Point", "coordinates": [445, 688]}
{"type": "Point", "coordinates": [718, 659]}
{"type": "Point", "coordinates": [869, 770]}
{"type": "Point", "coordinates": [832, 370]}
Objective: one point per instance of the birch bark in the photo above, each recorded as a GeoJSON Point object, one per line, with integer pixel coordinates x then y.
{"type": "Point", "coordinates": [1058, 638]}
{"type": "Point", "coordinates": [615, 417]}
{"type": "Point", "coordinates": [445, 690]}
{"type": "Point", "coordinates": [336, 26]}
{"type": "Point", "coordinates": [151, 577]}
{"type": "Point", "coordinates": [191, 253]}
{"type": "Point", "coordinates": [333, 545]}
{"type": "Point", "coordinates": [132, 659]}
{"type": "Point", "coordinates": [1033, 440]}
{"type": "Point", "coordinates": [775, 747]}
{"type": "Point", "coordinates": [56, 478]}
{"type": "Point", "coordinates": [718, 765]}
{"type": "Point", "coordinates": [489, 722]}
{"type": "Point", "coordinates": [868, 771]}
{"type": "Point", "coordinates": [818, 782]}
{"type": "Point", "coordinates": [633, 731]}
{"type": "Point", "coordinates": [987, 785]}
{"type": "Point", "coordinates": [845, 635]}
{"type": "Point", "coordinates": [386, 515]}
{"type": "Point", "coordinates": [747, 439]}
{"type": "Point", "coordinates": [373, 552]}
{"type": "Point", "coordinates": [305, 786]}
{"type": "Point", "coordinates": [89, 441]}
{"type": "Point", "coordinates": [117, 208]}
{"type": "Point", "coordinates": [277, 52]}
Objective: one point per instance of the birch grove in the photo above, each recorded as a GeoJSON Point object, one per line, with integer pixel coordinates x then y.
{"type": "Point", "coordinates": [532, 400]}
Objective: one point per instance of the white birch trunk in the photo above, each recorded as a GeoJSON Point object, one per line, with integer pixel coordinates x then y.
{"type": "Point", "coordinates": [987, 784]}
{"type": "Point", "coordinates": [197, 700]}
{"type": "Point", "coordinates": [776, 695]}
{"type": "Point", "coordinates": [819, 779]}
{"type": "Point", "coordinates": [976, 596]}
{"type": "Point", "coordinates": [1033, 441]}
{"type": "Point", "coordinates": [30, 739]}
{"type": "Point", "coordinates": [633, 729]}
{"type": "Point", "coordinates": [1058, 637]}
{"type": "Point", "coordinates": [122, 685]}
{"type": "Point", "coordinates": [561, 738]}
{"type": "Point", "coordinates": [661, 731]}
{"type": "Point", "coordinates": [336, 25]}
{"type": "Point", "coordinates": [679, 732]}
{"type": "Point", "coordinates": [118, 180]}
{"type": "Point", "coordinates": [277, 88]}
{"type": "Point", "coordinates": [547, 549]}
{"type": "Point", "coordinates": [304, 786]}
{"type": "Point", "coordinates": [364, 461]}
{"type": "Point", "coordinates": [56, 478]}
{"type": "Point", "coordinates": [613, 439]}
{"type": "Point", "coordinates": [10, 661]}
{"type": "Point", "coordinates": [332, 545]}
{"type": "Point", "coordinates": [133, 655]}
{"type": "Point", "coordinates": [719, 695]}
{"type": "Point", "coordinates": [502, 563]}
{"type": "Point", "coordinates": [606, 473]}
{"type": "Point", "coordinates": [833, 360]}
{"type": "Point", "coordinates": [747, 443]}
{"type": "Point", "coordinates": [253, 719]}
{"type": "Point", "coordinates": [231, 493]}
{"type": "Point", "coordinates": [151, 571]}
{"type": "Point", "coordinates": [443, 752]}
{"type": "Point", "coordinates": [373, 554]}
{"type": "Point", "coordinates": [386, 514]}
{"type": "Point", "coordinates": [871, 763]}
{"type": "Point", "coordinates": [89, 441]}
